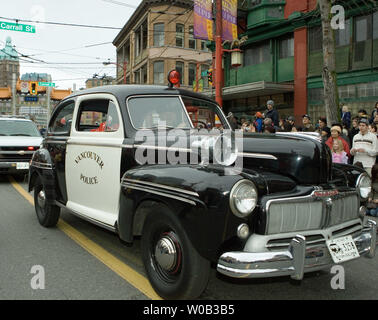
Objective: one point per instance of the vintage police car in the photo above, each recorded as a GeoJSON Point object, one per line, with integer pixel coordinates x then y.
{"type": "Point", "coordinates": [19, 139]}
{"type": "Point", "coordinates": [287, 212]}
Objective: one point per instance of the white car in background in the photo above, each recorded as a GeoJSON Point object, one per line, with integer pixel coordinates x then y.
{"type": "Point", "coordinates": [19, 139]}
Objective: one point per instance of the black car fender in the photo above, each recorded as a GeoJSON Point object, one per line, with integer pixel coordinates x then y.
{"type": "Point", "coordinates": [198, 195]}
{"type": "Point", "coordinates": [42, 167]}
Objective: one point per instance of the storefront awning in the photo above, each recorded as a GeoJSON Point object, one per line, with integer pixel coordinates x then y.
{"type": "Point", "coordinates": [261, 88]}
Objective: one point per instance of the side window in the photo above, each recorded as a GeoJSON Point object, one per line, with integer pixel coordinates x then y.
{"type": "Point", "coordinates": [62, 120]}
{"type": "Point", "coordinates": [97, 115]}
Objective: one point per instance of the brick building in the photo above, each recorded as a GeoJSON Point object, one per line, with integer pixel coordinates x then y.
{"type": "Point", "coordinates": [158, 38]}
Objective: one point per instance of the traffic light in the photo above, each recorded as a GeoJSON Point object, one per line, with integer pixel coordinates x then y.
{"type": "Point", "coordinates": [210, 76]}
{"type": "Point", "coordinates": [33, 88]}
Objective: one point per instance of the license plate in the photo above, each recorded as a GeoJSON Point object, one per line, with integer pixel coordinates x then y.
{"type": "Point", "coordinates": [342, 249]}
{"type": "Point", "coordinates": [22, 165]}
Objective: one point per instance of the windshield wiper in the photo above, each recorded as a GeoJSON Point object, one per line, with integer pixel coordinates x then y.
{"type": "Point", "coordinates": [20, 134]}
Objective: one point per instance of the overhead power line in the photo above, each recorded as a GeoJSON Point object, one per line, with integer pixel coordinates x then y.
{"type": "Point", "coordinates": [61, 24]}
{"type": "Point", "coordinates": [121, 3]}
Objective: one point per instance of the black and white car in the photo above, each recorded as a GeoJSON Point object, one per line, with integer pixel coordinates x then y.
{"type": "Point", "coordinates": [289, 210]}
{"type": "Point", "coordinates": [19, 139]}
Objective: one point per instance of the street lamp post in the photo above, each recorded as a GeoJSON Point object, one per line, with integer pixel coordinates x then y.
{"type": "Point", "coordinates": [124, 67]}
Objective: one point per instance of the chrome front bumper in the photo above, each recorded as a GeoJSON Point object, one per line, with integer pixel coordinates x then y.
{"type": "Point", "coordinates": [295, 261]}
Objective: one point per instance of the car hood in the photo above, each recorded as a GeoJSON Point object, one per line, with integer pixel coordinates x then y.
{"type": "Point", "coordinates": [20, 141]}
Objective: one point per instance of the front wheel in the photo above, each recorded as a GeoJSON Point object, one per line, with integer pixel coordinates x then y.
{"type": "Point", "coordinates": [47, 214]}
{"type": "Point", "coordinates": [173, 266]}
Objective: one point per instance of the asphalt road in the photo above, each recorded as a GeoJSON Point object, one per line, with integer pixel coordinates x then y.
{"type": "Point", "coordinates": [75, 270]}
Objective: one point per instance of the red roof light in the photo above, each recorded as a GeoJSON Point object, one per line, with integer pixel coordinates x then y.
{"type": "Point", "coordinates": [174, 78]}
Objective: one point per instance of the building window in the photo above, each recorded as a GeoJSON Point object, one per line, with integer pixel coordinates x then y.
{"type": "Point", "coordinates": [342, 36]}
{"type": "Point", "coordinates": [137, 77]}
{"type": "Point", "coordinates": [315, 39]}
{"type": "Point", "coordinates": [203, 46]}
{"type": "Point", "coordinates": [143, 77]}
{"type": "Point", "coordinates": [137, 43]}
{"type": "Point", "coordinates": [192, 73]}
{"type": "Point", "coordinates": [158, 34]}
{"type": "Point", "coordinates": [259, 53]}
{"type": "Point", "coordinates": [363, 29]}
{"type": "Point", "coordinates": [180, 69]}
{"type": "Point", "coordinates": [179, 35]}
{"type": "Point", "coordinates": [192, 41]}
{"type": "Point", "coordinates": [375, 25]}
{"type": "Point", "coordinates": [286, 47]}
{"type": "Point", "coordinates": [159, 72]}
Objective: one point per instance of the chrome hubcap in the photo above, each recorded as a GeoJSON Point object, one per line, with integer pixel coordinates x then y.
{"type": "Point", "coordinates": [41, 199]}
{"type": "Point", "coordinates": [166, 253]}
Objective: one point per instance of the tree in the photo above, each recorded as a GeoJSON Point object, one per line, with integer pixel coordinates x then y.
{"type": "Point", "coordinates": [331, 96]}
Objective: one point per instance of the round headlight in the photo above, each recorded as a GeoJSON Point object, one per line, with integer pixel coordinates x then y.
{"type": "Point", "coordinates": [363, 185]}
{"type": "Point", "coordinates": [243, 198]}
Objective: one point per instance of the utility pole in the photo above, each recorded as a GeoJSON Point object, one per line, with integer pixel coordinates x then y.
{"type": "Point", "coordinates": [218, 54]}
{"type": "Point", "coordinates": [14, 93]}
{"type": "Point", "coordinates": [331, 96]}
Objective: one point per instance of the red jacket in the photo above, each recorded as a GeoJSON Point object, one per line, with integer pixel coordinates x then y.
{"type": "Point", "coordinates": [329, 143]}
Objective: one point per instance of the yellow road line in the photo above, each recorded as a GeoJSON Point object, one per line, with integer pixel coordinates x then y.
{"type": "Point", "coordinates": [123, 270]}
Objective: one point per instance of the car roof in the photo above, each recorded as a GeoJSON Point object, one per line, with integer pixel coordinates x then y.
{"type": "Point", "coordinates": [122, 91]}
{"type": "Point", "coordinates": [14, 119]}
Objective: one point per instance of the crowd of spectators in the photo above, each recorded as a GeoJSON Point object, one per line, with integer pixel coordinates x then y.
{"type": "Point", "coordinates": [352, 141]}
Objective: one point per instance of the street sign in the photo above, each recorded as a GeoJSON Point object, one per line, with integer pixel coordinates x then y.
{"type": "Point", "coordinates": [17, 27]}
{"type": "Point", "coordinates": [46, 84]}
{"type": "Point", "coordinates": [24, 87]}
{"type": "Point", "coordinates": [31, 99]}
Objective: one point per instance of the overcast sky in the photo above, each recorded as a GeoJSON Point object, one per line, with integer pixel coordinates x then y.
{"type": "Point", "coordinates": [65, 38]}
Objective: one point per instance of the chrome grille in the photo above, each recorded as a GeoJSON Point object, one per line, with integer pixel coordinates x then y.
{"type": "Point", "coordinates": [310, 212]}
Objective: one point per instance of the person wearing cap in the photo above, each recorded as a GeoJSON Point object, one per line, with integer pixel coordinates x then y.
{"type": "Point", "coordinates": [307, 126]}
{"type": "Point", "coordinates": [336, 134]}
{"type": "Point", "coordinates": [259, 122]}
{"type": "Point", "coordinates": [364, 147]}
{"type": "Point", "coordinates": [272, 113]}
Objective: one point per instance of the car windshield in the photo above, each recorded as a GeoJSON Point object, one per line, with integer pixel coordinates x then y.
{"type": "Point", "coordinates": [18, 128]}
{"type": "Point", "coordinates": [158, 112]}
{"type": "Point", "coordinates": [204, 114]}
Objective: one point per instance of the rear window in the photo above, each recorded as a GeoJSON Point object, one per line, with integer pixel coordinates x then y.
{"type": "Point", "coordinates": [18, 128]}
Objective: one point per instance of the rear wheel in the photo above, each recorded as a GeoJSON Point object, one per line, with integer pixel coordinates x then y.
{"type": "Point", "coordinates": [173, 266]}
{"type": "Point", "coordinates": [47, 214]}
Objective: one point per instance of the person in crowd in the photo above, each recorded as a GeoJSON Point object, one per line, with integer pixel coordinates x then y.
{"type": "Point", "coordinates": [291, 120]}
{"type": "Point", "coordinates": [372, 205]}
{"type": "Point", "coordinates": [336, 134]}
{"type": "Point", "coordinates": [269, 129]}
{"type": "Point", "coordinates": [259, 122]}
{"type": "Point", "coordinates": [287, 126]}
{"type": "Point", "coordinates": [345, 117]}
{"type": "Point", "coordinates": [364, 148]}
{"type": "Point", "coordinates": [322, 123]}
{"type": "Point", "coordinates": [248, 127]}
{"type": "Point", "coordinates": [307, 126]}
{"type": "Point", "coordinates": [374, 113]}
{"type": "Point", "coordinates": [362, 114]}
{"type": "Point", "coordinates": [325, 134]}
{"type": "Point", "coordinates": [355, 129]}
{"type": "Point", "coordinates": [373, 128]}
{"type": "Point", "coordinates": [272, 113]}
{"type": "Point", "coordinates": [338, 153]}
{"type": "Point", "coordinates": [343, 134]}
